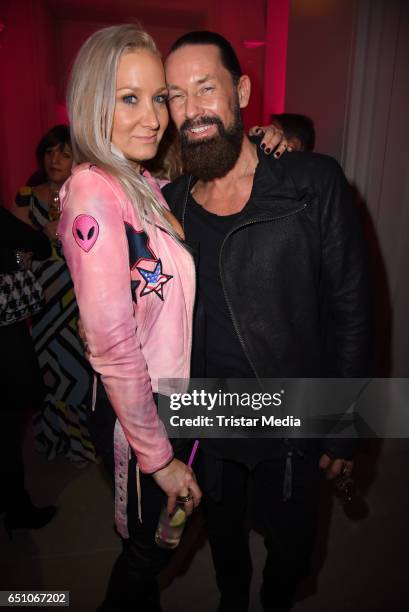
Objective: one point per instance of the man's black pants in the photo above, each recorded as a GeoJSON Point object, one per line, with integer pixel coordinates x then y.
{"type": "Point", "coordinates": [288, 527]}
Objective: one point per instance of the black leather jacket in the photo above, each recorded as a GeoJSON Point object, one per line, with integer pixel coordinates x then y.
{"type": "Point", "coordinates": [293, 272]}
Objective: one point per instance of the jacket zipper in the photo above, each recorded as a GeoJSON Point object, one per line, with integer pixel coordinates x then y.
{"type": "Point", "coordinates": [253, 222]}
{"type": "Point", "coordinates": [185, 202]}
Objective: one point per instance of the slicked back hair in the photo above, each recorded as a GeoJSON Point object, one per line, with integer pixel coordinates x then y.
{"type": "Point", "coordinates": [228, 55]}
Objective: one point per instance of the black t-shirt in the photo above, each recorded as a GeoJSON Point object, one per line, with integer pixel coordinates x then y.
{"type": "Point", "coordinates": [206, 231]}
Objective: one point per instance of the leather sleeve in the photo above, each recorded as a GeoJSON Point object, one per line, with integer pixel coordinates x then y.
{"type": "Point", "coordinates": [345, 276]}
{"type": "Point", "coordinates": [95, 247]}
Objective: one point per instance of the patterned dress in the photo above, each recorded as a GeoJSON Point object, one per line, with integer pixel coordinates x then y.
{"type": "Point", "coordinates": [60, 427]}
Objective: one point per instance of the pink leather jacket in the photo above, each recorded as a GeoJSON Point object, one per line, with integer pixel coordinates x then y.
{"type": "Point", "coordinates": [135, 295]}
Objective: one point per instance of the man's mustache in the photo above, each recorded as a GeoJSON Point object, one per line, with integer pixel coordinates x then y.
{"type": "Point", "coordinates": [188, 124]}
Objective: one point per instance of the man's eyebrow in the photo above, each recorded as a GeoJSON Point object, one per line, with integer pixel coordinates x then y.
{"type": "Point", "coordinates": [204, 79]}
{"type": "Point", "coordinates": [200, 81]}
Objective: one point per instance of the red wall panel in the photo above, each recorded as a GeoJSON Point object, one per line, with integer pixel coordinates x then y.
{"type": "Point", "coordinates": [41, 37]}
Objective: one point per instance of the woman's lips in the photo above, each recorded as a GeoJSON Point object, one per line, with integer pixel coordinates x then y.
{"type": "Point", "coordinates": [147, 139]}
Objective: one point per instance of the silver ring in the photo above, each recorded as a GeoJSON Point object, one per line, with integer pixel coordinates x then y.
{"type": "Point", "coordinates": [184, 499]}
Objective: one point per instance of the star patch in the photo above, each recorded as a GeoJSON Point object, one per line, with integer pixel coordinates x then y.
{"type": "Point", "coordinates": [138, 246]}
{"type": "Point", "coordinates": [154, 280]}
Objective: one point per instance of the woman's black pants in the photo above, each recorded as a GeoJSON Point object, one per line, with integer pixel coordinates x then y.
{"type": "Point", "coordinates": [133, 585]}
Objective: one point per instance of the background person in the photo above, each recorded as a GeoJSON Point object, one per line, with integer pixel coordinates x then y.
{"type": "Point", "coordinates": [298, 130]}
{"type": "Point", "coordinates": [60, 427]}
{"type": "Point", "coordinates": [20, 381]}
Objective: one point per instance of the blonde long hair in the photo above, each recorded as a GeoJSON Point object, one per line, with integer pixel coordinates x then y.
{"type": "Point", "coordinates": [91, 105]}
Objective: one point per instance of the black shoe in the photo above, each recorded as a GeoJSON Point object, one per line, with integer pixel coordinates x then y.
{"type": "Point", "coordinates": [27, 516]}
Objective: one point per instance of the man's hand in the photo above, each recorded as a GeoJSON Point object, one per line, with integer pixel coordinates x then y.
{"type": "Point", "coordinates": [177, 479]}
{"type": "Point", "coordinates": [273, 138]}
{"type": "Point", "coordinates": [335, 467]}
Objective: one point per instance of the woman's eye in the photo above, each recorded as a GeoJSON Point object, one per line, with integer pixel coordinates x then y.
{"type": "Point", "coordinates": [130, 99]}
{"type": "Point", "coordinates": [161, 99]}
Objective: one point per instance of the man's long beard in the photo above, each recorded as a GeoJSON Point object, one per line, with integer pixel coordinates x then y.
{"type": "Point", "coordinates": [214, 157]}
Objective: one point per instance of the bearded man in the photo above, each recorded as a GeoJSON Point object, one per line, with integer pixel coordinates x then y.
{"type": "Point", "coordinates": [281, 293]}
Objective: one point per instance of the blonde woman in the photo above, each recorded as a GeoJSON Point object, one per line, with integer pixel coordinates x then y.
{"type": "Point", "coordinates": [134, 281]}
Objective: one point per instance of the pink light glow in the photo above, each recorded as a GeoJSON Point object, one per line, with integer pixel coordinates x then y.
{"type": "Point", "coordinates": [254, 44]}
{"type": "Point", "coordinates": [61, 114]}
{"type": "Point", "coordinates": [275, 58]}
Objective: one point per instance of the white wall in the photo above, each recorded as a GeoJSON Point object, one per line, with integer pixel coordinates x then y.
{"type": "Point", "coordinates": [376, 152]}
{"type": "Point", "coordinates": [348, 69]}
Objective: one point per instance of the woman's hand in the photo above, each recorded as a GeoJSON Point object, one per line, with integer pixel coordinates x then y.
{"type": "Point", "coordinates": [273, 139]}
{"type": "Point", "coordinates": [177, 479]}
